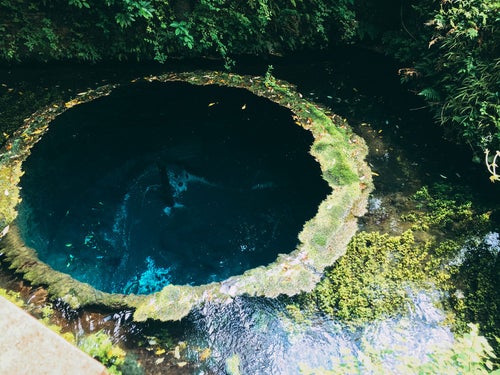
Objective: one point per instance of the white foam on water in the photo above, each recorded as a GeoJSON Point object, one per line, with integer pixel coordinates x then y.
{"type": "Point", "coordinates": [151, 280]}
{"type": "Point", "coordinates": [492, 240]}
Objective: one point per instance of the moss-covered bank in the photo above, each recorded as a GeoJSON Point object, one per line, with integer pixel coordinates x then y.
{"type": "Point", "coordinates": [323, 239]}
{"type": "Point", "coordinates": [450, 247]}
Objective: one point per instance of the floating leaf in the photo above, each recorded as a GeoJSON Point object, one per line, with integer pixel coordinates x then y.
{"type": "Point", "coordinates": [160, 351]}
{"type": "Point", "coordinates": [205, 354]}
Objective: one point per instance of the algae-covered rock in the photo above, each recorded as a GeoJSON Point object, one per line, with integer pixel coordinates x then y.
{"type": "Point", "coordinates": [324, 238]}
{"type": "Point", "coordinates": [10, 173]}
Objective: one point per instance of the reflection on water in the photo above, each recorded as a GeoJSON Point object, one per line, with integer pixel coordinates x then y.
{"type": "Point", "coordinates": [265, 341]}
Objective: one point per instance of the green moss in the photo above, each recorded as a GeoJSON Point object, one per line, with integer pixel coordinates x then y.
{"type": "Point", "coordinates": [99, 346]}
{"type": "Point", "coordinates": [12, 296]}
{"type": "Point", "coordinates": [375, 277]}
{"type": "Point", "coordinates": [320, 238]}
{"type": "Point", "coordinates": [9, 193]}
{"type": "Point", "coordinates": [477, 294]}
{"type": "Point", "coordinates": [172, 303]}
{"type": "Point", "coordinates": [337, 170]}
{"type": "Point", "coordinates": [445, 208]}
{"type": "Point", "coordinates": [340, 174]}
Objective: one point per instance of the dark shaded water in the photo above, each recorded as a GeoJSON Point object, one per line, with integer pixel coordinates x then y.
{"type": "Point", "coordinates": [168, 183]}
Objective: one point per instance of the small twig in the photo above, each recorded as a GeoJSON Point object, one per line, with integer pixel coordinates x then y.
{"type": "Point", "coordinates": [403, 23]}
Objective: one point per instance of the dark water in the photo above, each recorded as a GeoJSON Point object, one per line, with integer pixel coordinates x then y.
{"type": "Point", "coordinates": [168, 183]}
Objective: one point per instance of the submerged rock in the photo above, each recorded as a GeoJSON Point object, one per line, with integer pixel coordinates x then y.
{"type": "Point", "coordinates": [339, 152]}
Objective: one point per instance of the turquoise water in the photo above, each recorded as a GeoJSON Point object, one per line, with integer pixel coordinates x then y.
{"type": "Point", "coordinates": [163, 184]}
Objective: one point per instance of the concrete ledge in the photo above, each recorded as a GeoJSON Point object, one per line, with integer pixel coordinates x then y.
{"type": "Point", "coordinates": [28, 347]}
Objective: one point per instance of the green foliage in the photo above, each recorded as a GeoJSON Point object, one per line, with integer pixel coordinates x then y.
{"type": "Point", "coordinates": [99, 346]}
{"type": "Point", "coordinates": [79, 3]}
{"type": "Point", "coordinates": [471, 354]}
{"type": "Point", "coordinates": [376, 277]}
{"type": "Point", "coordinates": [12, 296]}
{"type": "Point", "coordinates": [453, 50]}
{"type": "Point", "coordinates": [444, 208]}
{"type": "Point", "coordinates": [477, 296]}
{"type": "Point", "coordinates": [182, 31]}
{"type": "Point", "coordinates": [85, 30]}
{"type": "Point", "coordinates": [430, 94]}
{"type": "Point", "coordinates": [379, 273]}
{"type": "Point", "coordinates": [62, 30]}
{"type": "Point", "coordinates": [269, 79]}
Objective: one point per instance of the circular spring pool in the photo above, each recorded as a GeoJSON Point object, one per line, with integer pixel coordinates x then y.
{"type": "Point", "coordinates": [168, 183]}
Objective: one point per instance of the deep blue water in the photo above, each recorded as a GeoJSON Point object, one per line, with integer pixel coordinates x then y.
{"type": "Point", "coordinates": [163, 183]}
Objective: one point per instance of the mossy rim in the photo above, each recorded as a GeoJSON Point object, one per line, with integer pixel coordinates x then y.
{"type": "Point", "coordinates": [323, 239]}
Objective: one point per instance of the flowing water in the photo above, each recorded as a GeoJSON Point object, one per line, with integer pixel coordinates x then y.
{"type": "Point", "coordinates": [256, 335]}
{"type": "Point", "coordinates": [265, 340]}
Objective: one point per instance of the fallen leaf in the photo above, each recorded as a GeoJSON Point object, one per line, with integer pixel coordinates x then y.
{"type": "Point", "coordinates": [159, 360]}
{"type": "Point", "coordinates": [177, 353]}
{"type": "Point", "coordinates": [205, 354]}
{"type": "Point", "coordinates": [160, 351]}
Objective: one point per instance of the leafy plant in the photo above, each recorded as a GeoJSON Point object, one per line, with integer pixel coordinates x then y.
{"type": "Point", "coordinates": [452, 48]}
{"type": "Point", "coordinates": [269, 79]}
{"type": "Point", "coordinates": [79, 3]}
{"type": "Point", "coordinates": [444, 208]}
{"type": "Point", "coordinates": [182, 31]}
{"type": "Point", "coordinates": [96, 30]}
{"type": "Point", "coordinates": [471, 354]}
{"type": "Point", "coordinates": [99, 346]}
